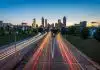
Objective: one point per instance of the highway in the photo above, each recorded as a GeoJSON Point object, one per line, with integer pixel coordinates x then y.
{"type": "Point", "coordinates": [11, 55]}
{"type": "Point", "coordinates": [56, 53]}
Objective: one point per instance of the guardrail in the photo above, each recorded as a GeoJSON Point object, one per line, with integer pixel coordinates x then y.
{"type": "Point", "coordinates": [6, 47]}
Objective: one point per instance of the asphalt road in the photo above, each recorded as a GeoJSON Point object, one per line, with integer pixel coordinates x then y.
{"type": "Point", "coordinates": [55, 53]}
{"type": "Point", "coordinates": [11, 55]}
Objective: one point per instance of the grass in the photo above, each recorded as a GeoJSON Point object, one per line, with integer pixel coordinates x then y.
{"type": "Point", "coordinates": [90, 47]}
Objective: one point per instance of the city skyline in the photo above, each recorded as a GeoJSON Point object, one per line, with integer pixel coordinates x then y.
{"type": "Point", "coordinates": [18, 11]}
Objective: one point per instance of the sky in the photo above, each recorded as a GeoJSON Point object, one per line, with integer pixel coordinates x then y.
{"type": "Point", "coordinates": [17, 11]}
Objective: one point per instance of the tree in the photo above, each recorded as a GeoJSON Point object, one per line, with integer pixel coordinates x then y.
{"type": "Point", "coordinates": [63, 30]}
{"type": "Point", "coordinates": [97, 34]}
{"type": "Point", "coordinates": [71, 30]}
{"type": "Point", "coordinates": [2, 31]}
{"type": "Point", "coordinates": [84, 33]}
{"type": "Point", "coordinates": [40, 30]}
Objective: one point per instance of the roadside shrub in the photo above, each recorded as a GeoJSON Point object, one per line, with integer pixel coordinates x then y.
{"type": "Point", "coordinates": [97, 34]}
{"type": "Point", "coordinates": [84, 33]}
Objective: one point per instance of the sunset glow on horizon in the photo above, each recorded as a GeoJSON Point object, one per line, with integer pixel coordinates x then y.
{"type": "Point", "coordinates": [18, 11]}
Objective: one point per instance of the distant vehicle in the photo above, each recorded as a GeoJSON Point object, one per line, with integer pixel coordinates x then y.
{"type": "Point", "coordinates": [54, 32]}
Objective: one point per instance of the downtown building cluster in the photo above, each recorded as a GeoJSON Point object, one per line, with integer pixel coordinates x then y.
{"type": "Point", "coordinates": [46, 25]}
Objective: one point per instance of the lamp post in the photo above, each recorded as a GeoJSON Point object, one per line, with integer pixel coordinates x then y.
{"type": "Point", "coordinates": [16, 32]}
{"type": "Point", "coordinates": [15, 38]}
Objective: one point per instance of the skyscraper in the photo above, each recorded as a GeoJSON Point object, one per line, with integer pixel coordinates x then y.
{"type": "Point", "coordinates": [34, 23]}
{"type": "Point", "coordinates": [83, 24]}
{"type": "Point", "coordinates": [59, 21]}
{"type": "Point", "coordinates": [59, 24]}
{"type": "Point", "coordinates": [56, 25]}
{"type": "Point", "coordinates": [52, 25]}
{"type": "Point", "coordinates": [46, 24]}
{"type": "Point", "coordinates": [42, 21]}
{"type": "Point", "coordinates": [64, 21]}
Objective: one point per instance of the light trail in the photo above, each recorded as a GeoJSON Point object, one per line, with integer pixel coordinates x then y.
{"type": "Point", "coordinates": [48, 63]}
{"type": "Point", "coordinates": [67, 55]}
{"type": "Point", "coordinates": [78, 65]}
{"type": "Point", "coordinates": [44, 59]}
{"type": "Point", "coordinates": [39, 51]}
{"type": "Point", "coordinates": [6, 53]}
{"type": "Point", "coordinates": [49, 57]}
{"type": "Point", "coordinates": [45, 53]}
{"type": "Point", "coordinates": [53, 48]}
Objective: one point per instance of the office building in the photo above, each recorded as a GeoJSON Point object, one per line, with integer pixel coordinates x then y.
{"type": "Point", "coordinates": [83, 24]}
{"type": "Point", "coordinates": [46, 24]}
{"type": "Point", "coordinates": [59, 24]}
{"type": "Point", "coordinates": [34, 23]}
{"type": "Point", "coordinates": [64, 21]}
{"type": "Point", "coordinates": [42, 21]}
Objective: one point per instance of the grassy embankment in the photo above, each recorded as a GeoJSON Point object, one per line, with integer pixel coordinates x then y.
{"type": "Point", "coordinates": [90, 47]}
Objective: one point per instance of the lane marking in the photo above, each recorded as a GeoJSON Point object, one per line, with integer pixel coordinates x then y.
{"type": "Point", "coordinates": [53, 48]}
{"type": "Point", "coordinates": [67, 53]}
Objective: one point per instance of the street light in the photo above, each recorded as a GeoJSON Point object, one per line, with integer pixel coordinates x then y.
{"type": "Point", "coordinates": [16, 32]}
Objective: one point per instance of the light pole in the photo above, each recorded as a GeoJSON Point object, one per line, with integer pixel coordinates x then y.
{"type": "Point", "coordinates": [15, 42]}
{"type": "Point", "coordinates": [16, 32]}
{"type": "Point", "coordinates": [15, 39]}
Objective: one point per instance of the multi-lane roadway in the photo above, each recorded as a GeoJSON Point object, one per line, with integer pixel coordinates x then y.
{"type": "Point", "coordinates": [11, 55]}
{"type": "Point", "coordinates": [55, 53]}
